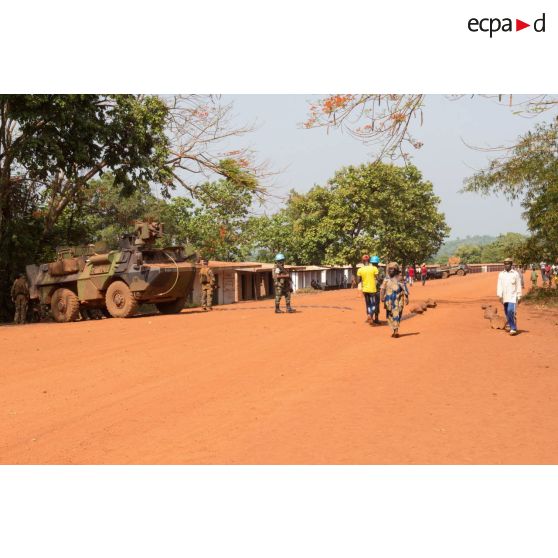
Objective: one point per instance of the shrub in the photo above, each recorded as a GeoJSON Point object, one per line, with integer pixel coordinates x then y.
{"type": "Point", "coordinates": [546, 297]}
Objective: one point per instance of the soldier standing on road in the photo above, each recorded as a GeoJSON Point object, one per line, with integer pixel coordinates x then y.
{"type": "Point", "coordinates": [207, 282]}
{"type": "Point", "coordinates": [395, 296]}
{"type": "Point", "coordinates": [282, 283]}
{"type": "Point", "coordinates": [20, 297]}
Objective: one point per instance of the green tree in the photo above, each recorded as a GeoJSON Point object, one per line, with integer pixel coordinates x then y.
{"type": "Point", "coordinates": [51, 146]}
{"type": "Point", "coordinates": [469, 253]}
{"type": "Point", "coordinates": [58, 143]}
{"type": "Point", "coordinates": [215, 223]}
{"type": "Point", "coordinates": [375, 208]}
{"type": "Point", "coordinates": [265, 236]}
{"type": "Point", "coordinates": [102, 211]}
{"type": "Point", "coordinates": [385, 209]}
{"type": "Point", "coordinates": [529, 173]}
{"type": "Point", "coordinates": [506, 245]}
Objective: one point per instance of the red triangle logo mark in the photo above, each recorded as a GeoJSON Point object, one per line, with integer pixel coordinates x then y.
{"type": "Point", "coordinates": [519, 25]}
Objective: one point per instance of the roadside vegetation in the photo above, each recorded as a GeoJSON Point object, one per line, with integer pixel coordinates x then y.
{"type": "Point", "coordinates": [547, 297]}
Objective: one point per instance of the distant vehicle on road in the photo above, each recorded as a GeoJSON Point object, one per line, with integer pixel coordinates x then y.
{"type": "Point", "coordinates": [445, 271]}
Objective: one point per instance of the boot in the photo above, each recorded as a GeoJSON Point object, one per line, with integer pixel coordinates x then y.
{"type": "Point", "coordinates": [278, 310]}
{"type": "Point", "coordinates": [290, 310]}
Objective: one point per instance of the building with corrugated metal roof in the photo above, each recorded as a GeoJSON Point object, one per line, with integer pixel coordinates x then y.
{"type": "Point", "coordinates": [241, 281]}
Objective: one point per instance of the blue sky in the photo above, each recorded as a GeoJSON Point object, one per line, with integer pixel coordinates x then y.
{"type": "Point", "coordinates": [307, 157]}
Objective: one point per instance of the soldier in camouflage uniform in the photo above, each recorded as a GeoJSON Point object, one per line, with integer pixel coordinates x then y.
{"type": "Point", "coordinates": [282, 282]}
{"type": "Point", "coordinates": [207, 282]}
{"type": "Point", "coordinates": [395, 296]}
{"type": "Point", "coordinates": [20, 297]}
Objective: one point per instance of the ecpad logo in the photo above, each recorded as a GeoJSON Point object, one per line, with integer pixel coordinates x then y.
{"type": "Point", "coordinates": [492, 25]}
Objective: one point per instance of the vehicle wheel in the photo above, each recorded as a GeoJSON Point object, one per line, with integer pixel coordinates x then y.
{"type": "Point", "coordinates": [120, 301]}
{"type": "Point", "coordinates": [460, 272]}
{"type": "Point", "coordinates": [174, 307]}
{"type": "Point", "coordinates": [64, 305]}
{"type": "Point", "coordinates": [445, 275]}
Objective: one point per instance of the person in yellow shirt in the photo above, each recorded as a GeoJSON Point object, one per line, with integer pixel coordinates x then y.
{"type": "Point", "coordinates": [367, 276]}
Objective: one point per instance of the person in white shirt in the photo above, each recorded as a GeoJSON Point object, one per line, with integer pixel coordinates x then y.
{"type": "Point", "coordinates": [509, 292]}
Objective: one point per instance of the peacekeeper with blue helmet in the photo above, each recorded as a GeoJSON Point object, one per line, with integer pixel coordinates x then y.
{"type": "Point", "coordinates": [282, 283]}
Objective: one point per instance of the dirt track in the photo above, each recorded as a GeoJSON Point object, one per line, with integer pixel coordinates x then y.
{"type": "Point", "coordinates": [243, 385]}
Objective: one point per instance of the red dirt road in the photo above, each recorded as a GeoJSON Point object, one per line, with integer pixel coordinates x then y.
{"type": "Point", "coordinates": [243, 385]}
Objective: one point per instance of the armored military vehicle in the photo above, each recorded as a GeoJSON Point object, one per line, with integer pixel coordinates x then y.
{"type": "Point", "coordinates": [116, 281]}
{"type": "Point", "coordinates": [445, 271]}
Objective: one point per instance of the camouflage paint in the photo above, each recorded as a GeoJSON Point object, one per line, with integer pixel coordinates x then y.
{"type": "Point", "coordinates": [149, 283]}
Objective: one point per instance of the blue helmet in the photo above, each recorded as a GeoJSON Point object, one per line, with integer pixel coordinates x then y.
{"type": "Point", "coordinates": [374, 259]}
{"type": "Point", "coordinates": [279, 257]}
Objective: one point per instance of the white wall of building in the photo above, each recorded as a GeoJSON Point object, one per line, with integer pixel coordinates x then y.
{"type": "Point", "coordinates": [335, 276]}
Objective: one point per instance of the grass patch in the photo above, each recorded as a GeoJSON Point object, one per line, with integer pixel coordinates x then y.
{"type": "Point", "coordinates": [544, 297]}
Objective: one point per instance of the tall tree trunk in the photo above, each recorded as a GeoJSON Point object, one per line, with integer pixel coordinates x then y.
{"type": "Point", "coordinates": [6, 246]}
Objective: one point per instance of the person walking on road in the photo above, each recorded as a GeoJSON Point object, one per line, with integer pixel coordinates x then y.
{"type": "Point", "coordinates": [20, 297]}
{"type": "Point", "coordinates": [207, 283]}
{"type": "Point", "coordinates": [379, 280]}
{"type": "Point", "coordinates": [534, 276]}
{"type": "Point", "coordinates": [508, 290]}
{"type": "Point", "coordinates": [395, 296]}
{"type": "Point", "coordinates": [411, 273]}
{"type": "Point", "coordinates": [367, 276]}
{"type": "Point", "coordinates": [423, 273]}
{"type": "Point", "coordinates": [282, 283]}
